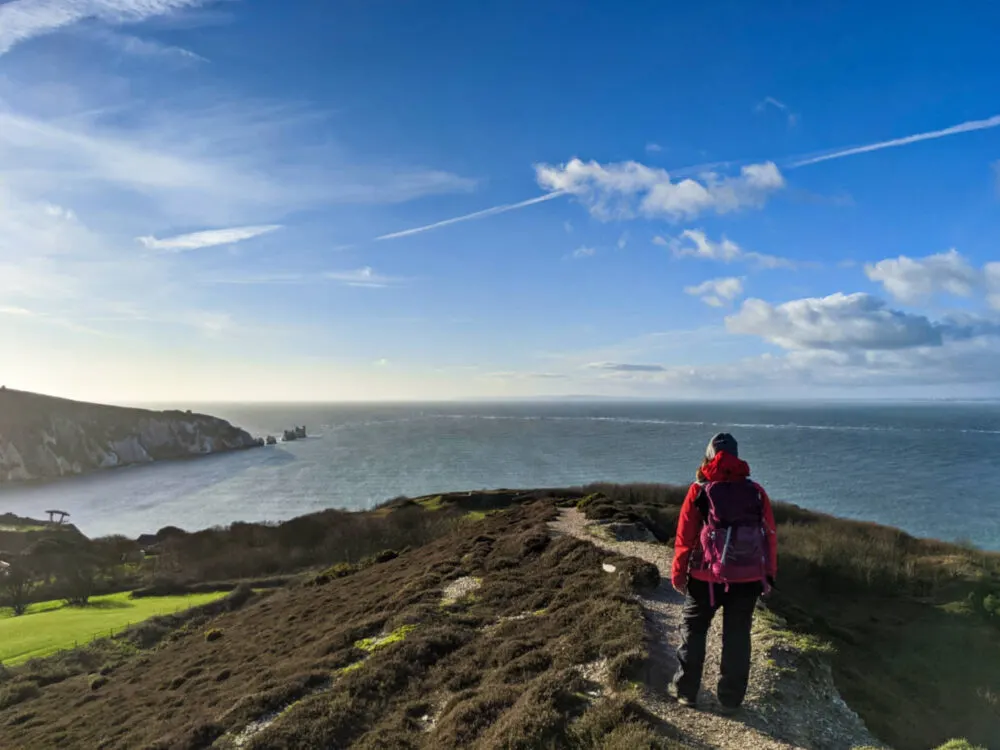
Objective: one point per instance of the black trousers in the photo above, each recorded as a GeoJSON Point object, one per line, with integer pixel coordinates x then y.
{"type": "Point", "coordinates": [737, 618]}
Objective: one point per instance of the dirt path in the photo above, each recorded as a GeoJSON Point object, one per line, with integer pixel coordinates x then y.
{"type": "Point", "coordinates": [830, 725]}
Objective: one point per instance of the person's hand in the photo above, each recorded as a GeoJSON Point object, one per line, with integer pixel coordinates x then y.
{"type": "Point", "coordinates": [771, 586]}
{"type": "Point", "coordinates": [681, 587]}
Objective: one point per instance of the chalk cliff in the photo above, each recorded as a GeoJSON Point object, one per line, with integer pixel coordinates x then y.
{"type": "Point", "coordinates": [43, 437]}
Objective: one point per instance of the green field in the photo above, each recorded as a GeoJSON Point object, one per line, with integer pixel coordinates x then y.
{"type": "Point", "coordinates": [48, 627]}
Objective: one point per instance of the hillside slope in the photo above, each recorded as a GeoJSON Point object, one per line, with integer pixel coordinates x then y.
{"type": "Point", "coordinates": [516, 620]}
{"type": "Point", "coordinates": [496, 635]}
{"type": "Point", "coordinates": [42, 437]}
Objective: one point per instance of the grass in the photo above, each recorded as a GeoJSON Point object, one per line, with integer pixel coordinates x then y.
{"type": "Point", "coordinates": [23, 529]}
{"type": "Point", "coordinates": [48, 627]}
{"type": "Point", "coordinates": [431, 503]}
{"type": "Point", "coordinates": [373, 644]}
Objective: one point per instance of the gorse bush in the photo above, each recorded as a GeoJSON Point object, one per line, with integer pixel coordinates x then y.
{"type": "Point", "coordinates": [332, 536]}
{"type": "Point", "coordinates": [16, 693]}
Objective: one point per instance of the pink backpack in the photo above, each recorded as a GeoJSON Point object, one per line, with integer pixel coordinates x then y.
{"type": "Point", "coordinates": [733, 537]}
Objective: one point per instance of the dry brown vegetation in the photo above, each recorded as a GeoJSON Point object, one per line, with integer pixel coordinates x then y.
{"type": "Point", "coordinates": [361, 651]}
{"type": "Point", "coordinates": [497, 668]}
{"type": "Point", "coordinates": [917, 642]}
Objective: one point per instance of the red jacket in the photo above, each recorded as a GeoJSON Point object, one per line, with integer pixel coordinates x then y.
{"type": "Point", "coordinates": [723, 468]}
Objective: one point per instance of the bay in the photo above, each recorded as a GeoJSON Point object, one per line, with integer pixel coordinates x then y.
{"type": "Point", "coordinates": [928, 468]}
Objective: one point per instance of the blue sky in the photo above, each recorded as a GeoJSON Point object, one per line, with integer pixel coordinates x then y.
{"type": "Point", "coordinates": [250, 200]}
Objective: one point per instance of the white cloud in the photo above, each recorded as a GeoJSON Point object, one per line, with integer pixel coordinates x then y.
{"type": "Point", "coordinates": [59, 212]}
{"type": "Point", "coordinates": [515, 375]}
{"type": "Point", "coordinates": [209, 238]}
{"type": "Point", "coordinates": [583, 252]}
{"type": "Point", "coordinates": [915, 279]}
{"type": "Point", "coordinates": [138, 47]}
{"type": "Point", "coordinates": [224, 163]}
{"type": "Point", "coordinates": [568, 226]}
{"type": "Point", "coordinates": [694, 243]}
{"type": "Point", "coordinates": [957, 363]}
{"type": "Point", "coordinates": [839, 322]}
{"type": "Point", "coordinates": [770, 101]}
{"type": "Point", "coordinates": [965, 127]}
{"type": "Point", "coordinates": [362, 277]}
{"type": "Point", "coordinates": [654, 148]}
{"type": "Point", "coordinates": [21, 20]}
{"type": "Point", "coordinates": [259, 279]}
{"type": "Point", "coordinates": [622, 241]}
{"type": "Point", "coordinates": [717, 292]}
{"type": "Point", "coordinates": [18, 311]}
{"type": "Point", "coordinates": [359, 277]}
{"type": "Point", "coordinates": [992, 273]}
{"type": "Point", "coordinates": [625, 189]}
{"type": "Point", "coordinates": [624, 367]}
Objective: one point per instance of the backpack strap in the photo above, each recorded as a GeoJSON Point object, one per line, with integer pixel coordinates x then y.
{"type": "Point", "coordinates": [702, 501]}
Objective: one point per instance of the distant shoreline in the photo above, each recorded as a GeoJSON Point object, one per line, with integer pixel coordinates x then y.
{"type": "Point", "coordinates": [37, 482]}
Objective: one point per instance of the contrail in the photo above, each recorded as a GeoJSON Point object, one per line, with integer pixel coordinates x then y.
{"type": "Point", "coordinates": [477, 215]}
{"type": "Point", "coordinates": [964, 127]}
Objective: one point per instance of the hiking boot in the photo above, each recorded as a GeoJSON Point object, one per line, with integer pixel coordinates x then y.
{"type": "Point", "coordinates": [728, 710]}
{"type": "Point", "coordinates": [681, 700]}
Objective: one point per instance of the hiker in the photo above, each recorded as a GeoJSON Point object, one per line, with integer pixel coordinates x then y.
{"type": "Point", "coordinates": [725, 556]}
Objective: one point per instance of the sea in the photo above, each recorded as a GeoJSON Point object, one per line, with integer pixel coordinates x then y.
{"type": "Point", "coordinates": [930, 468]}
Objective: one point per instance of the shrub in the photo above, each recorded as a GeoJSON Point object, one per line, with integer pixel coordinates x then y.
{"type": "Point", "coordinates": [15, 589]}
{"type": "Point", "coordinates": [17, 693]}
{"type": "Point", "coordinates": [213, 635]}
{"type": "Point", "coordinates": [991, 605]}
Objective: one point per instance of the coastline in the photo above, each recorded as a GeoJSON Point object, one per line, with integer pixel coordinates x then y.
{"type": "Point", "coordinates": [65, 479]}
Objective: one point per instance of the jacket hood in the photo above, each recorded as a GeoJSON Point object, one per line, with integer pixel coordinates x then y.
{"type": "Point", "coordinates": [725, 467]}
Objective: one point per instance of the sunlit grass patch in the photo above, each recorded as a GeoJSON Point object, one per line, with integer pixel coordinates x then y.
{"type": "Point", "coordinates": [48, 627]}
{"type": "Point", "coordinates": [431, 503]}
{"type": "Point", "coordinates": [374, 644]}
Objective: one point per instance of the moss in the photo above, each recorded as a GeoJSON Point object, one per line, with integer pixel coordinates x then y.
{"type": "Point", "coordinates": [583, 502]}
{"type": "Point", "coordinates": [350, 667]}
{"type": "Point", "coordinates": [475, 515]}
{"type": "Point", "coordinates": [374, 644]}
{"type": "Point", "coordinates": [959, 745]}
{"type": "Point", "coordinates": [772, 627]}
{"type": "Point", "coordinates": [431, 503]}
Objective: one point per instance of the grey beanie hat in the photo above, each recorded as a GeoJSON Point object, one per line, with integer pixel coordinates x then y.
{"type": "Point", "coordinates": [722, 442]}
